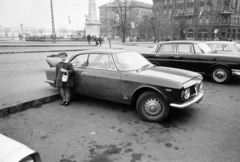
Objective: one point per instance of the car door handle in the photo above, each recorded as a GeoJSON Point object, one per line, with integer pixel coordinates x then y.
{"type": "Point", "coordinates": [84, 73]}
{"type": "Point", "coordinates": [157, 55]}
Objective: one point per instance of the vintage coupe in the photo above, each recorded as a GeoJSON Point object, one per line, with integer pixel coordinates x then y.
{"type": "Point", "coordinates": [13, 151]}
{"type": "Point", "coordinates": [127, 77]}
{"type": "Point", "coordinates": [226, 47]}
{"type": "Point", "coordinates": [195, 56]}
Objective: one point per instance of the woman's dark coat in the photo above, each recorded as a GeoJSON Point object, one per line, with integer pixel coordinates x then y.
{"type": "Point", "coordinates": [67, 66]}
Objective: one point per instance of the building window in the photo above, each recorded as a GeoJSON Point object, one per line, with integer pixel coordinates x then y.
{"type": "Point", "coordinates": [225, 20]}
{"type": "Point", "coordinates": [200, 21]}
{"type": "Point", "coordinates": [165, 2]}
{"type": "Point", "coordinates": [217, 19]}
{"type": "Point", "coordinates": [209, 8]}
{"type": "Point", "coordinates": [165, 12]}
{"type": "Point", "coordinates": [170, 2]}
{"type": "Point", "coordinates": [207, 20]}
{"type": "Point", "coordinates": [190, 21]}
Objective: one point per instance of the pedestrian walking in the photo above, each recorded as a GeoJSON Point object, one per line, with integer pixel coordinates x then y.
{"type": "Point", "coordinates": [88, 38]}
{"type": "Point", "coordinates": [100, 40]}
{"type": "Point", "coordinates": [96, 40]}
{"type": "Point", "coordinates": [64, 78]}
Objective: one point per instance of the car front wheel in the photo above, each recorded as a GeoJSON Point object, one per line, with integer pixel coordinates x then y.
{"type": "Point", "coordinates": [151, 106]}
{"type": "Point", "coordinates": [220, 75]}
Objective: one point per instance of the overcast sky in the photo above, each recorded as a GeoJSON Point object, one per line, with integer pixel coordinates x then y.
{"type": "Point", "coordinates": [37, 13]}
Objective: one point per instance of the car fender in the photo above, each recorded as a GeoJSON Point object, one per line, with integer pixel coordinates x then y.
{"type": "Point", "coordinates": [215, 65]}
{"type": "Point", "coordinates": [13, 151]}
{"type": "Point", "coordinates": [145, 88]}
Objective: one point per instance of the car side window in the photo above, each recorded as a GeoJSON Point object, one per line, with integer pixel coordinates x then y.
{"type": "Point", "coordinates": [167, 48]}
{"type": "Point", "coordinates": [80, 60]}
{"type": "Point", "coordinates": [185, 49]}
{"type": "Point", "coordinates": [226, 48]}
{"type": "Point", "coordinates": [220, 47]}
{"type": "Point", "coordinates": [98, 61]}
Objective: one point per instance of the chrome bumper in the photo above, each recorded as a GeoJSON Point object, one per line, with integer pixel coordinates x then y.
{"type": "Point", "coordinates": [235, 72]}
{"type": "Point", "coordinates": [188, 103]}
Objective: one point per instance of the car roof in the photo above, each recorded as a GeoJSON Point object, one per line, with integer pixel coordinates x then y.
{"type": "Point", "coordinates": [219, 42]}
{"type": "Point", "coordinates": [105, 51]}
{"type": "Point", "coordinates": [181, 41]}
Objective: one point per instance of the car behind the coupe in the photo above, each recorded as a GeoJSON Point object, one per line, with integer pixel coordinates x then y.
{"type": "Point", "coordinates": [196, 56]}
{"type": "Point", "coordinates": [127, 77]}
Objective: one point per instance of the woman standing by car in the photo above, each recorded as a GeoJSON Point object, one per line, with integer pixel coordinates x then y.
{"type": "Point", "coordinates": [64, 78]}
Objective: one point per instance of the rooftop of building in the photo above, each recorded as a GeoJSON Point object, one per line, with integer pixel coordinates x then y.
{"type": "Point", "coordinates": [135, 4]}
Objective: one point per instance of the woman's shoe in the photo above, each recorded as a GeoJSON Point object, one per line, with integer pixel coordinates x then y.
{"type": "Point", "coordinates": [67, 103]}
{"type": "Point", "coordinates": [63, 103]}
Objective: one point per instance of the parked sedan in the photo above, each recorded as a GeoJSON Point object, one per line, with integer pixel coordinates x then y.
{"type": "Point", "coordinates": [195, 56]}
{"type": "Point", "coordinates": [225, 47]}
{"type": "Point", "coordinates": [13, 151]}
{"type": "Point", "coordinates": [127, 77]}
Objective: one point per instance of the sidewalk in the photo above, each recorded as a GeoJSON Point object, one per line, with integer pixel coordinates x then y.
{"type": "Point", "coordinates": [23, 72]}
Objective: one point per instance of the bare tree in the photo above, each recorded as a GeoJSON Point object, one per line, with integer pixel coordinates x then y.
{"type": "Point", "coordinates": [41, 31]}
{"type": "Point", "coordinates": [125, 13]}
{"type": "Point", "coordinates": [63, 30]}
{"type": "Point", "coordinates": [33, 31]}
{"type": "Point", "coordinates": [6, 30]}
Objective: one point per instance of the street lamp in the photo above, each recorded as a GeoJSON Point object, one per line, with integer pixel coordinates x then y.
{"type": "Point", "coordinates": [22, 28]}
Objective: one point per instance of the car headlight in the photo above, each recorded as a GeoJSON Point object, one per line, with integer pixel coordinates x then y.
{"type": "Point", "coordinates": [186, 93]}
{"type": "Point", "coordinates": [28, 159]}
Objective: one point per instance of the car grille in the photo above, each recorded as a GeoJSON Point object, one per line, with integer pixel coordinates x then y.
{"type": "Point", "coordinates": [195, 89]}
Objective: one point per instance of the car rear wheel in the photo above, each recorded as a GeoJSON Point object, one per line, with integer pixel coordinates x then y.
{"type": "Point", "coordinates": [151, 106]}
{"type": "Point", "coordinates": [220, 75]}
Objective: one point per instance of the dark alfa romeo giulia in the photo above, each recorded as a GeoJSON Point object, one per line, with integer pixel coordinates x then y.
{"type": "Point", "coordinates": [127, 77]}
{"type": "Point", "coordinates": [196, 56]}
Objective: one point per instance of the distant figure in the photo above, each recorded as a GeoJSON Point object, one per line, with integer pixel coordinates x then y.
{"type": "Point", "coordinates": [138, 38]}
{"type": "Point", "coordinates": [95, 39]}
{"type": "Point", "coordinates": [100, 40]}
{"type": "Point", "coordinates": [88, 38]}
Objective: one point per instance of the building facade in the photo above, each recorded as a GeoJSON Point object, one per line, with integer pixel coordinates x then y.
{"type": "Point", "coordinates": [204, 19]}
{"type": "Point", "coordinates": [107, 13]}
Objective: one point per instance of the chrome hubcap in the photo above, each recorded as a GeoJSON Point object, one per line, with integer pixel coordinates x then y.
{"type": "Point", "coordinates": [153, 106]}
{"type": "Point", "coordinates": [219, 75]}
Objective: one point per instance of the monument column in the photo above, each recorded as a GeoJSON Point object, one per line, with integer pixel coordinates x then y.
{"type": "Point", "coordinates": [92, 23]}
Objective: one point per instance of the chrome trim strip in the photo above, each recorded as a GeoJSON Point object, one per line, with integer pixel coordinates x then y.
{"type": "Point", "coordinates": [188, 103]}
{"type": "Point", "coordinates": [49, 81]}
{"type": "Point", "coordinates": [235, 72]}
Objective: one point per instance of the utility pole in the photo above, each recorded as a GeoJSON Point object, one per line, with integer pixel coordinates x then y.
{"type": "Point", "coordinates": [53, 26]}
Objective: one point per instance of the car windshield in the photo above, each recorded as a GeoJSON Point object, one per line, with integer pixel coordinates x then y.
{"type": "Point", "coordinates": [204, 47]}
{"type": "Point", "coordinates": [237, 45]}
{"type": "Point", "coordinates": [154, 49]}
{"type": "Point", "coordinates": [130, 61]}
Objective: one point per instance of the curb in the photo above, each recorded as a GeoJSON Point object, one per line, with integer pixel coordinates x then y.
{"type": "Point", "coordinates": [43, 51]}
{"type": "Point", "coordinates": [46, 45]}
{"type": "Point", "coordinates": [27, 104]}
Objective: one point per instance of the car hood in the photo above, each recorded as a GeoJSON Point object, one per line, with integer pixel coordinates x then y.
{"type": "Point", "coordinates": [167, 74]}
{"type": "Point", "coordinates": [11, 150]}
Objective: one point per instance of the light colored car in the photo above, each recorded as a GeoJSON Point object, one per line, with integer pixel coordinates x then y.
{"type": "Point", "coordinates": [127, 77]}
{"type": "Point", "coordinates": [226, 47]}
{"type": "Point", "coordinates": [13, 151]}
